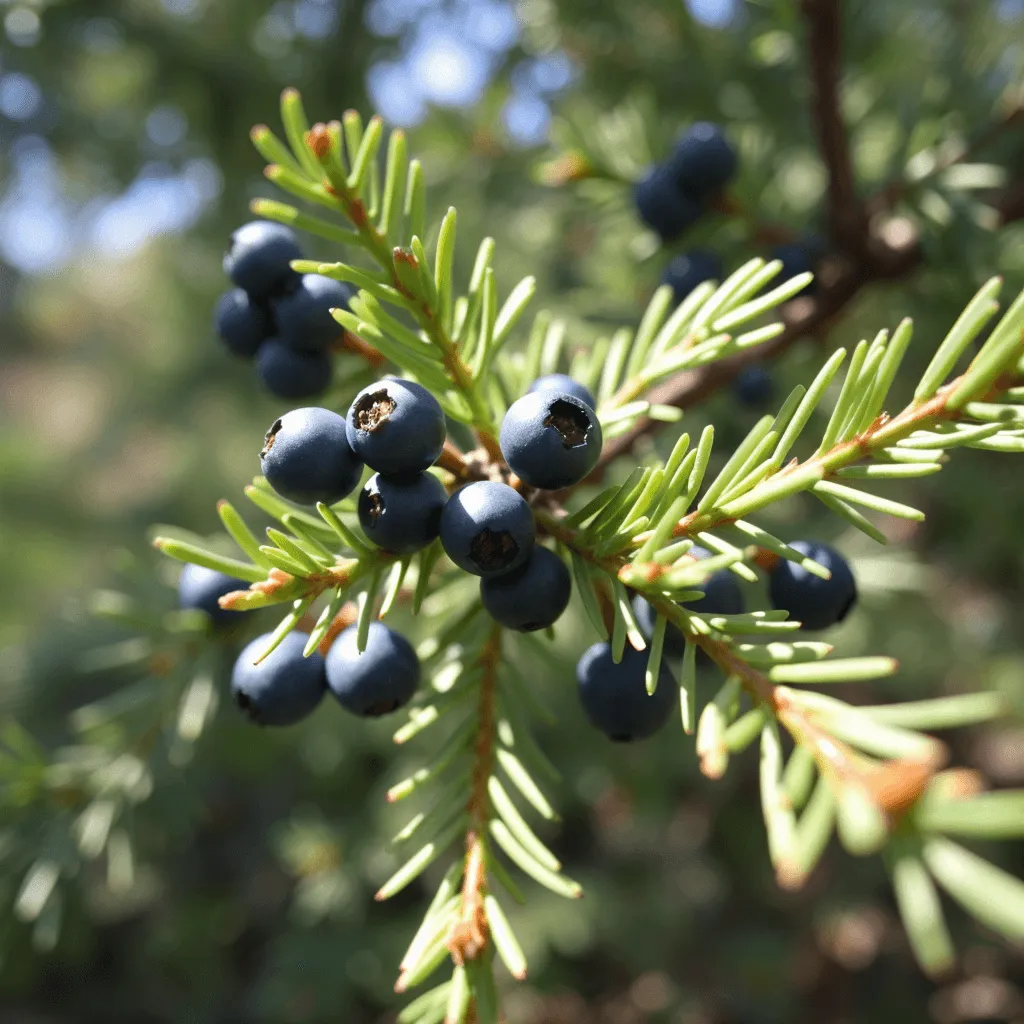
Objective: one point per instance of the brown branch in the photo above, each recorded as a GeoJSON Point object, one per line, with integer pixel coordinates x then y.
{"type": "Point", "coordinates": [453, 461]}
{"type": "Point", "coordinates": [861, 260]}
{"type": "Point", "coordinates": [885, 432]}
{"type": "Point", "coordinates": [1009, 203]}
{"type": "Point", "coordinates": [846, 214]}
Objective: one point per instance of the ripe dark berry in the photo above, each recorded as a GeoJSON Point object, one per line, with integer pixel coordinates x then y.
{"type": "Point", "coordinates": [283, 688]}
{"type": "Point", "coordinates": [241, 324]}
{"type": "Point", "coordinates": [487, 528]}
{"type": "Point", "coordinates": [703, 161]}
{"type": "Point", "coordinates": [307, 459]}
{"type": "Point", "coordinates": [259, 258]}
{"type": "Point", "coordinates": [533, 596]}
{"type": "Point", "coordinates": [798, 258]}
{"type": "Point", "coordinates": [396, 427]}
{"type": "Point", "coordinates": [815, 602]}
{"type": "Point", "coordinates": [402, 514]}
{"type": "Point", "coordinates": [303, 316]}
{"type": "Point", "coordinates": [563, 382]}
{"type": "Point", "coordinates": [290, 374]}
{"type": "Point", "coordinates": [754, 387]}
{"type": "Point", "coordinates": [199, 588]}
{"type": "Point", "coordinates": [722, 596]}
{"type": "Point", "coordinates": [690, 269]}
{"type": "Point", "coordinates": [615, 697]}
{"type": "Point", "coordinates": [662, 206]}
{"type": "Point", "coordinates": [550, 439]}
{"type": "Point", "coordinates": [381, 679]}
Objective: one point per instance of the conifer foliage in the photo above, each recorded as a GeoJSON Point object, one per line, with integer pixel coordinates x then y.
{"type": "Point", "coordinates": [645, 557]}
{"type": "Point", "coordinates": [378, 510]}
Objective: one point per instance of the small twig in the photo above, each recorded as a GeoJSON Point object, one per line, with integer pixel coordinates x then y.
{"type": "Point", "coordinates": [454, 461]}
{"type": "Point", "coordinates": [470, 934]}
{"type": "Point", "coordinates": [348, 342]}
{"type": "Point", "coordinates": [347, 616]}
{"type": "Point", "coordinates": [761, 233]}
{"type": "Point", "coordinates": [884, 433]}
{"type": "Point", "coordinates": [388, 257]}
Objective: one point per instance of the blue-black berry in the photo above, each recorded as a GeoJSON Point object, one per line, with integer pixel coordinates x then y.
{"type": "Point", "coordinates": [798, 257]}
{"type": "Point", "coordinates": [564, 383]}
{"type": "Point", "coordinates": [242, 324]}
{"type": "Point", "coordinates": [615, 697]}
{"type": "Point", "coordinates": [290, 374]}
{"type": "Point", "coordinates": [381, 679]}
{"type": "Point", "coordinates": [487, 528]}
{"type": "Point", "coordinates": [690, 269]}
{"type": "Point", "coordinates": [306, 457]}
{"type": "Point", "coordinates": [662, 206]}
{"type": "Point", "coordinates": [283, 688]}
{"type": "Point", "coordinates": [396, 427]}
{"type": "Point", "coordinates": [259, 258]}
{"type": "Point", "coordinates": [200, 588]}
{"type": "Point", "coordinates": [815, 602]}
{"type": "Point", "coordinates": [754, 386]}
{"type": "Point", "coordinates": [402, 514]}
{"type": "Point", "coordinates": [722, 596]}
{"type": "Point", "coordinates": [532, 597]}
{"type": "Point", "coordinates": [303, 316]}
{"type": "Point", "coordinates": [703, 161]}
{"type": "Point", "coordinates": [550, 439]}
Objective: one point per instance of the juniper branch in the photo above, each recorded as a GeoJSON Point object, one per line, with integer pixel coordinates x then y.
{"type": "Point", "coordinates": [864, 259]}
{"type": "Point", "coordinates": [469, 936]}
{"type": "Point", "coordinates": [397, 263]}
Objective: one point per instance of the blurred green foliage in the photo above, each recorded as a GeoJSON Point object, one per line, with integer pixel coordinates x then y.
{"type": "Point", "coordinates": [254, 858]}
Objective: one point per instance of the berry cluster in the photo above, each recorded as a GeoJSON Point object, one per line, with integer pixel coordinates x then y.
{"type": "Point", "coordinates": [276, 315]}
{"type": "Point", "coordinates": [285, 687]}
{"type": "Point", "coordinates": [614, 696]}
{"type": "Point", "coordinates": [673, 196]}
{"type": "Point", "coordinates": [550, 439]}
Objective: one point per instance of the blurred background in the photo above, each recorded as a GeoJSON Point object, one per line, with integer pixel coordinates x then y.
{"type": "Point", "coordinates": [237, 886]}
